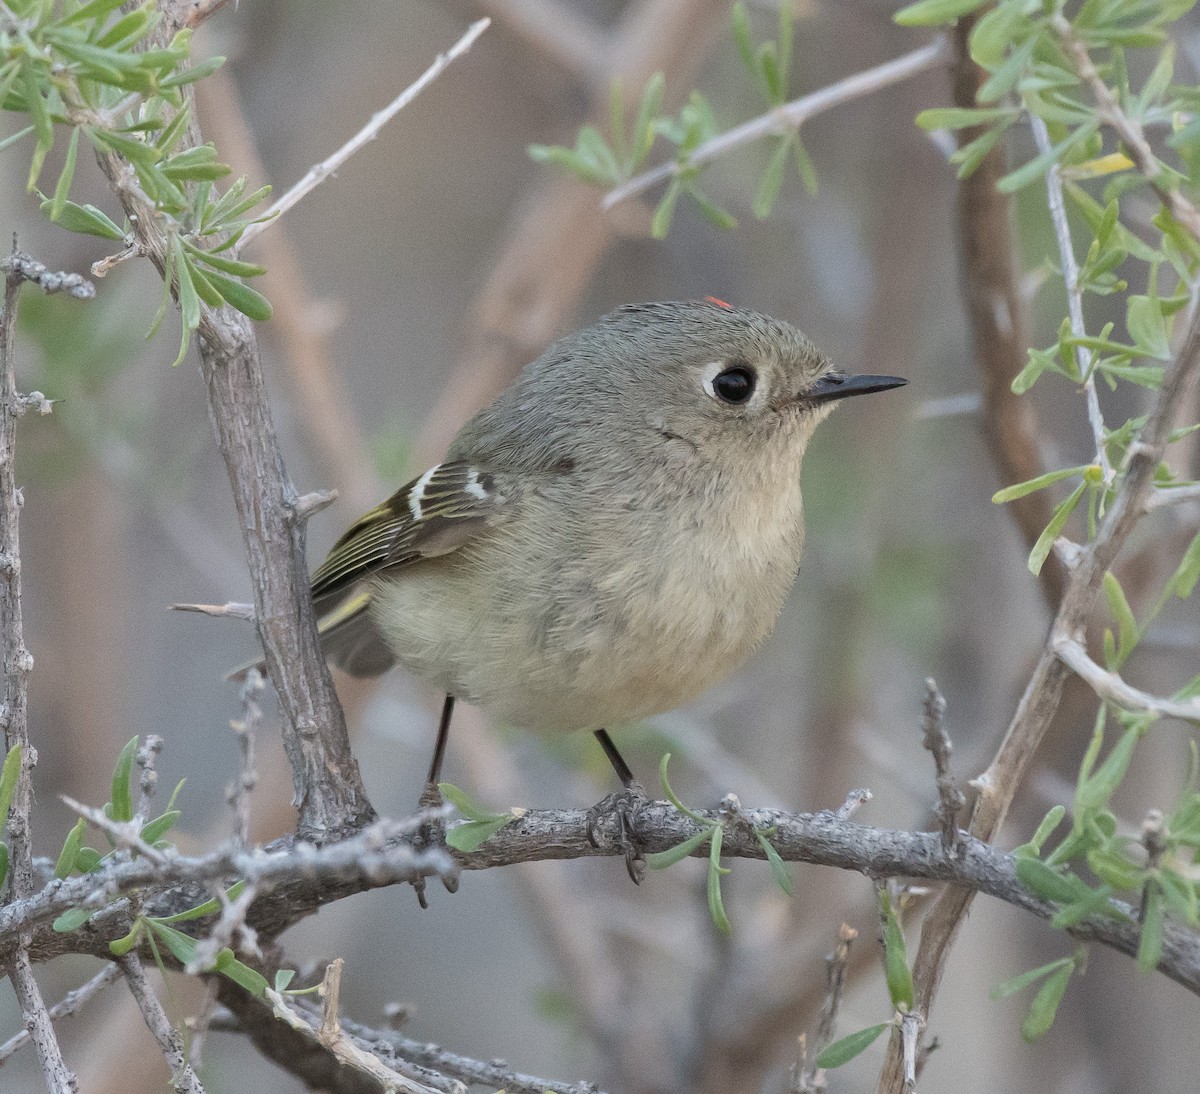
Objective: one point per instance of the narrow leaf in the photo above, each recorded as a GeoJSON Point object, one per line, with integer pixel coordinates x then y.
{"type": "Point", "coordinates": [1045, 543]}
{"type": "Point", "coordinates": [1020, 489]}
{"type": "Point", "coordinates": [779, 869]}
{"type": "Point", "coordinates": [122, 798]}
{"type": "Point", "coordinates": [928, 13]}
{"type": "Point", "coordinates": [772, 180]}
{"type": "Point", "coordinates": [467, 806]}
{"type": "Point", "coordinates": [1020, 983]}
{"type": "Point", "coordinates": [471, 835]}
{"type": "Point", "coordinates": [1045, 1004]}
{"type": "Point", "coordinates": [70, 850]}
{"type": "Point", "coordinates": [71, 920]}
{"type": "Point", "coordinates": [843, 1051]}
{"type": "Point", "coordinates": [1151, 940]}
{"type": "Point", "coordinates": [660, 860]}
{"type": "Point", "coordinates": [716, 907]}
{"type": "Point", "coordinates": [63, 188]}
{"type": "Point", "coordinates": [9, 774]}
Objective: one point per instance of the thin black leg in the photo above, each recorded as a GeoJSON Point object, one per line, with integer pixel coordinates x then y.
{"type": "Point", "coordinates": [615, 758]}
{"type": "Point", "coordinates": [439, 749]}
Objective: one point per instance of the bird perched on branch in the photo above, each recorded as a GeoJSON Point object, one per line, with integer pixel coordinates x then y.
{"type": "Point", "coordinates": [614, 534]}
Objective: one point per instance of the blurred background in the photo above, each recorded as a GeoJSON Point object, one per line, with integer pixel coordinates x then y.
{"type": "Point", "coordinates": [407, 291]}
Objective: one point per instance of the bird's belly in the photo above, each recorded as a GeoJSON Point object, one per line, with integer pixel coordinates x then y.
{"type": "Point", "coordinates": [598, 642]}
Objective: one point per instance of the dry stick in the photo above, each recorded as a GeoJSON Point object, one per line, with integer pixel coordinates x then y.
{"type": "Point", "coordinates": [60, 1079]}
{"type": "Point", "coordinates": [807, 1078]}
{"type": "Point", "coordinates": [321, 171]}
{"type": "Point", "coordinates": [1109, 685]}
{"type": "Point", "coordinates": [1070, 269]}
{"type": "Point", "coordinates": [18, 662]}
{"type": "Point", "coordinates": [183, 1078]}
{"type": "Point", "coordinates": [326, 780]}
{"type": "Point", "coordinates": [790, 116]}
{"type": "Point", "coordinates": [73, 1001]}
{"type": "Point", "coordinates": [294, 881]}
{"type": "Point", "coordinates": [936, 741]}
{"type": "Point", "coordinates": [995, 306]}
{"type": "Point", "coordinates": [998, 784]}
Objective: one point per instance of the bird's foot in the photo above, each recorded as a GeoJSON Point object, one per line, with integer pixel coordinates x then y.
{"type": "Point", "coordinates": [431, 833]}
{"type": "Point", "coordinates": [624, 806]}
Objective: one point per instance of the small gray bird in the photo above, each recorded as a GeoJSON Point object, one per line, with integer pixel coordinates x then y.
{"type": "Point", "coordinates": [610, 537]}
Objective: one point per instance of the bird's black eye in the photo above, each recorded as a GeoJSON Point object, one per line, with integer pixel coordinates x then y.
{"type": "Point", "coordinates": [734, 385]}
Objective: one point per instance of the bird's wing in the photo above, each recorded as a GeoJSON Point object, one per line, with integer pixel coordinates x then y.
{"type": "Point", "coordinates": [434, 514]}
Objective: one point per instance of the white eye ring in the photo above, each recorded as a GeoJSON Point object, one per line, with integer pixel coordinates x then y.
{"type": "Point", "coordinates": [732, 396]}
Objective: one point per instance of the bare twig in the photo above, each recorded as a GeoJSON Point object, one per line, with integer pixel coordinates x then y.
{"type": "Point", "coordinates": [230, 610]}
{"type": "Point", "coordinates": [855, 800]}
{"type": "Point", "coordinates": [183, 1078]}
{"type": "Point", "coordinates": [59, 1078]}
{"type": "Point", "coordinates": [70, 1003]}
{"type": "Point", "coordinates": [808, 1078]}
{"type": "Point", "coordinates": [238, 795]}
{"type": "Point", "coordinates": [790, 116]}
{"type": "Point", "coordinates": [18, 661]}
{"type": "Point", "coordinates": [123, 833]}
{"type": "Point", "coordinates": [1110, 686]}
{"type": "Point", "coordinates": [344, 1049]}
{"type": "Point", "coordinates": [936, 741]}
{"type": "Point", "coordinates": [1070, 269]}
{"type": "Point", "coordinates": [146, 758]}
{"type": "Point", "coordinates": [321, 171]}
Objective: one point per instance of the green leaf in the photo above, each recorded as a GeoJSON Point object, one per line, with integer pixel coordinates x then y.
{"type": "Point", "coordinates": [283, 977]}
{"type": "Point", "coordinates": [713, 213]}
{"type": "Point", "coordinates": [155, 830]}
{"type": "Point", "coordinates": [716, 906]}
{"type": "Point", "coordinates": [844, 1050]}
{"type": "Point", "coordinates": [94, 9]}
{"type": "Point", "coordinates": [1147, 327]}
{"type": "Point", "coordinates": [672, 797]}
{"type": "Point", "coordinates": [471, 835]}
{"type": "Point", "coordinates": [87, 860]}
{"type": "Point", "coordinates": [805, 165]}
{"type": "Point", "coordinates": [63, 188]}
{"type": "Point", "coordinates": [71, 920]}
{"type": "Point", "coordinates": [616, 120]}
{"type": "Point", "coordinates": [9, 773]}
{"type": "Point", "coordinates": [772, 180]}
{"type": "Point", "coordinates": [971, 155]}
{"type": "Point", "coordinates": [643, 127]}
{"type": "Point", "coordinates": [779, 870]}
{"type": "Point", "coordinates": [182, 946]}
{"type": "Point", "coordinates": [122, 798]}
{"type": "Point", "coordinates": [741, 36]}
{"type": "Point", "coordinates": [249, 302]}
{"type": "Point", "coordinates": [899, 975]}
{"type": "Point", "coordinates": [661, 224]}
{"type": "Point", "coordinates": [240, 973]}
{"type": "Point", "coordinates": [1127, 628]}
{"type": "Point", "coordinates": [1045, 543]}
{"type": "Point", "coordinates": [1020, 489]}
{"type": "Point", "coordinates": [1151, 940]}
{"type": "Point", "coordinates": [198, 71]}
{"type": "Point", "coordinates": [1049, 822]}
{"type": "Point", "coordinates": [70, 850]}
{"type": "Point", "coordinates": [928, 13]}
{"type": "Point", "coordinates": [39, 113]}
{"type": "Point", "coordinates": [1188, 572]}
{"type": "Point", "coordinates": [467, 806]}
{"type": "Point", "coordinates": [660, 860]}
{"type": "Point", "coordinates": [960, 118]}
{"type": "Point", "coordinates": [1047, 882]}
{"type": "Point", "coordinates": [209, 907]}
{"type": "Point", "coordinates": [1020, 983]}
{"type": "Point", "coordinates": [234, 267]}
{"type": "Point", "coordinates": [1039, 165]}
{"type": "Point", "coordinates": [1045, 1004]}
{"type": "Point", "coordinates": [85, 219]}
{"type": "Point", "coordinates": [1094, 793]}
{"type": "Point", "coordinates": [15, 136]}
{"type": "Point", "coordinates": [121, 946]}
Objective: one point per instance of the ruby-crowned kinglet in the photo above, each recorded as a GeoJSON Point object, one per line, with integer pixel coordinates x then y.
{"type": "Point", "coordinates": [610, 537]}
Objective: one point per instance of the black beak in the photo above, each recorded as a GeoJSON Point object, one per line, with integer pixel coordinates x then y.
{"type": "Point", "coordinates": [837, 385]}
